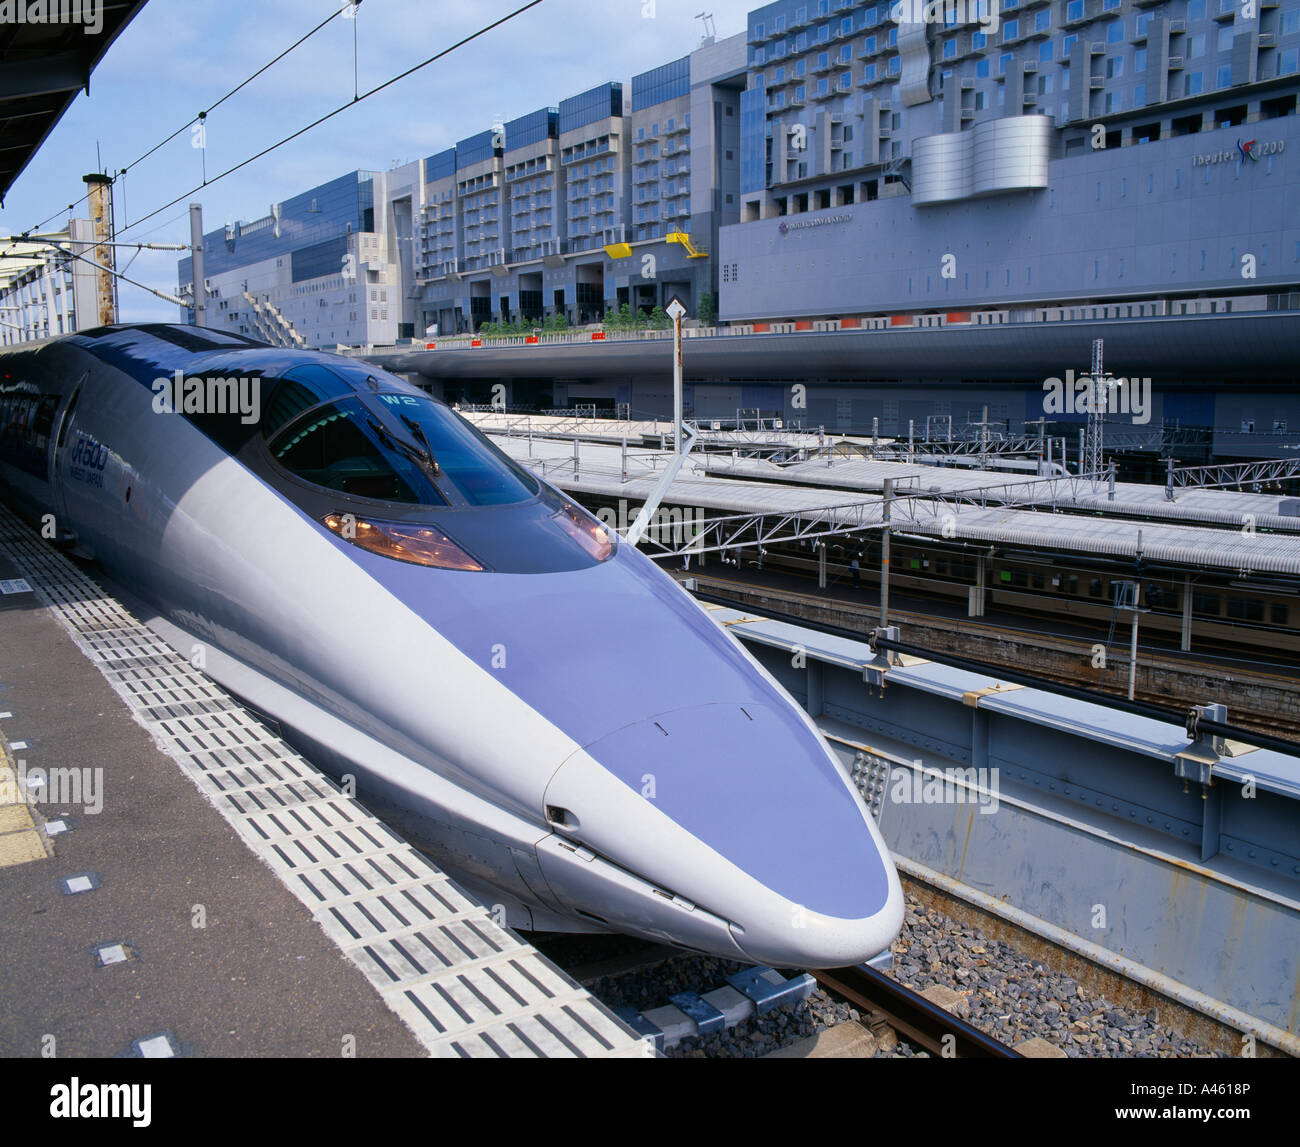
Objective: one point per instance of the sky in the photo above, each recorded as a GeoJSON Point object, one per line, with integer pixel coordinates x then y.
{"type": "Point", "coordinates": [178, 57]}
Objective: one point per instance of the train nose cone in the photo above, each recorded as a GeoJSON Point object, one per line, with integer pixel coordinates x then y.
{"type": "Point", "coordinates": [808, 881]}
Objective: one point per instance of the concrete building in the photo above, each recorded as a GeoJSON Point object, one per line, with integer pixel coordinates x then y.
{"type": "Point", "coordinates": [939, 158]}
{"type": "Point", "coordinates": [577, 209]}
{"type": "Point", "coordinates": [321, 269]}
{"type": "Point", "coordinates": [45, 291]}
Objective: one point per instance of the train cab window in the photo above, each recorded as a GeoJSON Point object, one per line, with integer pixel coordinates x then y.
{"type": "Point", "coordinates": [340, 447]}
{"type": "Point", "coordinates": [480, 472]}
{"type": "Point", "coordinates": [1277, 613]}
{"type": "Point", "coordinates": [393, 448]}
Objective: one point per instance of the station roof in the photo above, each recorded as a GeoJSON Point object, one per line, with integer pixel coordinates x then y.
{"type": "Point", "coordinates": [1259, 345]}
{"type": "Point", "coordinates": [1163, 740]}
{"type": "Point", "coordinates": [42, 68]}
{"type": "Point", "coordinates": [1132, 499]}
{"type": "Point", "coordinates": [1194, 546]}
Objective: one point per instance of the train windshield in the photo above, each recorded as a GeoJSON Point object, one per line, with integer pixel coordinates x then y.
{"type": "Point", "coordinates": [394, 448]}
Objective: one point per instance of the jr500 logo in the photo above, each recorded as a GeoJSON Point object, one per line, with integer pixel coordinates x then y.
{"type": "Point", "coordinates": [89, 453]}
{"type": "Point", "coordinates": [87, 461]}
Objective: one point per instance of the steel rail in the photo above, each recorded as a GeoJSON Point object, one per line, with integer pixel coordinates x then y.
{"type": "Point", "coordinates": [913, 1016]}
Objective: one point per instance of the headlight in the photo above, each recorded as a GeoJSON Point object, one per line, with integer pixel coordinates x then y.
{"type": "Point", "coordinates": [593, 536]}
{"type": "Point", "coordinates": [422, 545]}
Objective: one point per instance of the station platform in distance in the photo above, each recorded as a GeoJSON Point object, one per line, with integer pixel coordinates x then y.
{"type": "Point", "coordinates": [176, 881]}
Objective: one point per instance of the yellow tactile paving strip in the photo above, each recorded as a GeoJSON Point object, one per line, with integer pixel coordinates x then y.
{"type": "Point", "coordinates": [21, 841]}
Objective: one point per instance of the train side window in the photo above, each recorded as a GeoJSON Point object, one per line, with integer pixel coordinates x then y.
{"type": "Point", "coordinates": [1072, 584]}
{"type": "Point", "coordinates": [1245, 609]}
{"type": "Point", "coordinates": [1094, 587]}
{"type": "Point", "coordinates": [1205, 603]}
{"type": "Point", "coordinates": [1278, 612]}
{"type": "Point", "coordinates": [941, 566]}
{"type": "Point", "coordinates": [1037, 580]}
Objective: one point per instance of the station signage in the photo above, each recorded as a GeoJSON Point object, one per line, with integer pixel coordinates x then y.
{"type": "Point", "coordinates": [1246, 149]}
{"type": "Point", "coordinates": [786, 227]}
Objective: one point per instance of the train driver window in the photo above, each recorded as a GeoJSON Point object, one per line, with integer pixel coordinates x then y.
{"type": "Point", "coordinates": [340, 447]}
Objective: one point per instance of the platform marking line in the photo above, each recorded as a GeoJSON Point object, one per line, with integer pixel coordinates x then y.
{"type": "Point", "coordinates": [396, 916]}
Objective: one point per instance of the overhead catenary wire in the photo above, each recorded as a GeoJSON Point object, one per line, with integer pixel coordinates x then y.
{"type": "Point", "coordinates": [203, 114]}
{"type": "Point", "coordinates": [341, 108]}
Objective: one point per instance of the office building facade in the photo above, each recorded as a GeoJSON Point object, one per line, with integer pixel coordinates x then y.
{"type": "Point", "coordinates": [936, 158]}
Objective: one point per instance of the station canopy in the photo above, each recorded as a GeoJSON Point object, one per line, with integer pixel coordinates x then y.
{"type": "Point", "coordinates": [48, 49]}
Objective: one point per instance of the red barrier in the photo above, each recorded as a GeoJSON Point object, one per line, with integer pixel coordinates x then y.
{"type": "Point", "coordinates": [762, 328]}
{"type": "Point", "coordinates": [849, 324]}
{"type": "Point", "coordinates": [476, 342]}
{"type": "Point", "coordinates": [597, 336]}
{"type": "Point", "coordinates": [958, 317]}
{"type": "Point", "coordinates": [900, 320]}
{"type": "Point", "coordinates": [531, 339]}
{"type": "Point", "coordinates": [430, 346]}
{"type": "Point", "coordinates": [803, 325]}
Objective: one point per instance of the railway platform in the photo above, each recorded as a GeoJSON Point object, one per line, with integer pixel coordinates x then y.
{"type": "Point", "coordinates": [176, 881]}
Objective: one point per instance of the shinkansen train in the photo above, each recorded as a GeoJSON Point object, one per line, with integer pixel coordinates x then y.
{"type": "Point", "coordinates": [539, 707]}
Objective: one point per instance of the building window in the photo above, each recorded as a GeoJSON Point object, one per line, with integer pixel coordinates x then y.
{"type": "Point", "coordinates": [1195, 83]}
{"type": "Point", "coordinates": [950, 49]}
{"type": "Point", "coordinates": [1010, 30]}
{"type": "Point", "coordinates": [1224, 76]}
{"type": "Point", "coordinates": [1140, 60]}
{"type": "Point", "coordinates": [1115, 32]}
{"type": "Point", "coordinates": [1114, 67]}
{"type": "Point", "coordinates": [1043, 19]}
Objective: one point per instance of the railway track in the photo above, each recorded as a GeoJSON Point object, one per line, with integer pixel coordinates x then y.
{"type": "Point", "coordinates": [911, 1015]}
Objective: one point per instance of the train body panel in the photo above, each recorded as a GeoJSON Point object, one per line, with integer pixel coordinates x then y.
{"type": "Point", "coordinates": [573, 737]}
